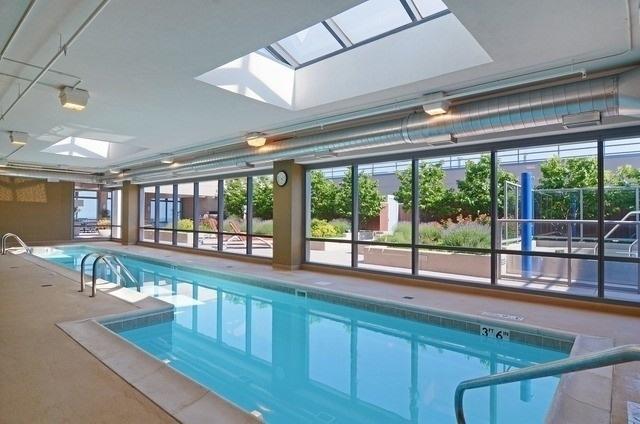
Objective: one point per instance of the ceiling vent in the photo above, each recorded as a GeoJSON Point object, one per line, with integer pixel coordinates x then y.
{"type": "Point", "coordinates": [583, 119]}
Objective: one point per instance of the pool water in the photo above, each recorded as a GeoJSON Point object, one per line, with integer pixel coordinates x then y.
{"type": "Point", "coordinates": [299, 360]}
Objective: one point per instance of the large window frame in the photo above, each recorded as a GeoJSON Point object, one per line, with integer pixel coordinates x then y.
{"type": "Point", "coordinates": [246, 240]}
{"type": "Point", "coordinates": [599, 137]}
{"type": "Point", "coordinates": [109, 202]}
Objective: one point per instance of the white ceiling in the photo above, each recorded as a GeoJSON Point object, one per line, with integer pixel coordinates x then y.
{"type": "Point", "coordinates": [138, 60]}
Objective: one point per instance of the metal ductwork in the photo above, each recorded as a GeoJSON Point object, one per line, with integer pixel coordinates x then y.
{"type": "Point", "coordinates": [48, 175]}
{"type": "Point", "coordinates": [610, 96]}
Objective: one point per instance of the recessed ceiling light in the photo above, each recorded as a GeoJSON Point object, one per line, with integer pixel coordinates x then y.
{"type": "Point", "coordinates": [18, 138]}
{"type": "Point", "coordinates": [74, 98]}
{"type": "Point", "coordinates": [256, 139]}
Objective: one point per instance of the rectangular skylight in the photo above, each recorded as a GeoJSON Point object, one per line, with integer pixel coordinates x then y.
{"type": "Point", "coordinates": [310, 43]}
{"type": "Point", "coordinates": [429, 7]}
{"type": "Point", "coordinates": [371, 19]}
{"type": "Point", "coordinates": [91, 149]}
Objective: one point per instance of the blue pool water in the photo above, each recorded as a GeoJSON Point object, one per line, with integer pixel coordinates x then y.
{"type": "Point", "coordinates": [299, 360]}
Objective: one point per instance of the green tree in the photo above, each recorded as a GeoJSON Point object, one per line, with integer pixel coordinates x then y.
{"type": "Point", "coordinates": [323, 196]}
{"type": "Point", "coordinates": [235, 196]}
{"type": "Point", "coordinates": [561, 177]}
{"type": "Point", "coordinates": [436, 200]}
{"type": "Point", "coordinates": [474, 191]}
{"type": "Point", "coordinates": [263, 197]}
{"type": "Point", "coordinates": [368, 195]}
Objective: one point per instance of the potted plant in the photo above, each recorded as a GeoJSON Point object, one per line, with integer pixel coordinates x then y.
{"type": "Point", "coordinates": [104, 227]}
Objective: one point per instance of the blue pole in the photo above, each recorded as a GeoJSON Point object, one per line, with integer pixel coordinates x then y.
{"type": "Point", "coordinates": [526, 232]}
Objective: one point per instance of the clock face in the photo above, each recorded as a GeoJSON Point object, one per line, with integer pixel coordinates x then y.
{"type": "Point", "coordinates": [281, 178]}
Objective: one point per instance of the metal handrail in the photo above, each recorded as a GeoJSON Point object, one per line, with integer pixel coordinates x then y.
{"type": "Point", "coordinates": [22, 243]}
{"type": "Point", "coordinates": [615, 227]}
{"type": "Point", "coordinates": [105, 257]}
{"type": "Point", "coordinates": [616, 355]}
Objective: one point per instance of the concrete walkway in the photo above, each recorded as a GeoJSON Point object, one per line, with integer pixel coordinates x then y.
{"type": "Point", "coordinates": [45, 376]}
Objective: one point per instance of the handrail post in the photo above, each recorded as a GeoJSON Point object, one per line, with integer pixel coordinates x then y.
{"type": "Point", "coordinates": [18, 239]}
{"type": "Point", "coordinates": [93, 278]}
{"type": "Point", "coordinates": [82, 269]}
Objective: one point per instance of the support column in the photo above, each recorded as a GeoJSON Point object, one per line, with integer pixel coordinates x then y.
{"type": "Point", "coordinates": [288, 207]}
{"type": "Point", "coordinates": [526, 233]}
{"type": "Point", "coordinates": [130, 213]}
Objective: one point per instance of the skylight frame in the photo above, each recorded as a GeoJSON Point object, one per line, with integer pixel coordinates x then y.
{"type": "Point", "coordinates": [334, 29]}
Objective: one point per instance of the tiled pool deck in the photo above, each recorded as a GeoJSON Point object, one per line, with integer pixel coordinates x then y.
{"type": "Point", "coordinates": [23, 286]}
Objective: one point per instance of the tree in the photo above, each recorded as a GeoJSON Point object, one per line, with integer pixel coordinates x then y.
{"type": "Point", "coordinates": [263, 197]}
{"type": "Point", "coordinates": [564, 176]}
{"type": "Point", "coordinates": [323, 196]}
{"type": "Point", "coordinates": [436, 200]}
{"type": "Point", "coordinates": [368, 195]}
{"type": "Point", "coordinates": [474, 191]}
{"type": "Point", "coordinates": [235, 196]}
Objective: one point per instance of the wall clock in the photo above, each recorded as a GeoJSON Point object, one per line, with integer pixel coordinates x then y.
{"type": "Point", "coordinates": [281, 178]}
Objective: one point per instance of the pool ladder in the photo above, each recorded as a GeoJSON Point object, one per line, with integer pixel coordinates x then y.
{"type": "Point", "coordinates": [616, 355]}
{"type": "Point", "coordinates": [18, 239]}
{"type": "Point", "coordinates": [106, 258]}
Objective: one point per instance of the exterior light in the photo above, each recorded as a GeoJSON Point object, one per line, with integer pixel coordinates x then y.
{"type": "Point", "coordinates": [74, 98]}
{"type": "Point", "coordinates": [438, 108]}
{"type": "Point", "coordinates": [18, 138]}
{"type": "Point", "coordinates": [256, 139]}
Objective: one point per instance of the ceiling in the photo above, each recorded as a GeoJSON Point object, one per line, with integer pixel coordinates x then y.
{"type": "Point", "coordinates": [139, 61]}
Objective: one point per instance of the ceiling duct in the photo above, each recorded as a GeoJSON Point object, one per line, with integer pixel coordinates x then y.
{"type": "Point", "coordinates": [48, 175]}
{"type": "Point", "coordinates": [610, 96]}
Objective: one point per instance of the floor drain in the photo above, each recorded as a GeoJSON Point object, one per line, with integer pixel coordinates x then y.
{"type": "Point", "coordinates": [46, 285]}
{"type": "Point", "coordinates": [13, 267]}
{"type": "Point", "coordinates": [407, 297]}
{"type": "Point", "coordinates": [229, 266]}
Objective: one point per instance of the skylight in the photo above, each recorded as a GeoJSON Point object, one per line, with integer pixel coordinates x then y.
{"type": "Point", "coordinates": [90, 148]}
{"type": "Point", "coordinates": [365, 22]}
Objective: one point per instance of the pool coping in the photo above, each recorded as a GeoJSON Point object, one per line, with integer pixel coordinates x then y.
{"type": "Point", "coordinates": [573, 395]}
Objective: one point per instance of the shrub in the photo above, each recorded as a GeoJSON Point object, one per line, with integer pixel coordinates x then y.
{"type": "Point", "coordinates": [322, 229]}
{"type": "Point", "coordinates": [402, 234]}
{"type": "Point", "coordinates": [185, 224]}
{"type": "Point", "coordinates": [263, 228]}
{"type": "Point", "coordinates": [430, 233]}
{"type": "Point", "coordinates": [467, 235]}
{"type": "Point", "coordinates": [103, 223]}
{"type": "Point", "coordinates": [342, 226]}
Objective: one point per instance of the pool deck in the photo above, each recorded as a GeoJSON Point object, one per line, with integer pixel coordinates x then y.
{"type": "Point", "coordinates": [48, 377]}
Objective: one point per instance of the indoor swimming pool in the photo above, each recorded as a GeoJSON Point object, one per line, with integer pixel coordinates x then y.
{"type": "Point", "coordinates": [296, 358]}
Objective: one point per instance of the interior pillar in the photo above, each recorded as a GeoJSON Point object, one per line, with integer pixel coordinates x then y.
{"type": "Point", "coordinates": [288, 207]}
{"type": "Point", "coordinates": [130, 213]}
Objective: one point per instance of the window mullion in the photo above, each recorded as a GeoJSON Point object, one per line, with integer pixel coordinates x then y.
{"type": "Point", "coordinates": [337, 33]}
{"type": "Point", "coordinates": [412, 10]}
{"type": "Point", "coordinates": [282, 52]}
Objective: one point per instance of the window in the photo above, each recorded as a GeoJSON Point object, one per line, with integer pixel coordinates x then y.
{"type": "Point", "coordinates": [185, 213]}
{"type": "Point", "coordinates": [549, 217]}
{"type": "Point", "coordinates": [96, 212]}
{"type": "Point", "coordinates": [365, 22]}
{"type": "Point", "coordinates": [329, 216]}
{"type": "Point", "coordinates": [234, 215]}
{"type": "Point", "coordinates": [207, 216]}
{"type": "Point", "coordinates": [310, 43]}
{"type": "Point", "coordinates": [622, 218]}
{"type": "Point", "coordinates": [430, 215]}
{"type": "Point", "coordinates": [372, 18]}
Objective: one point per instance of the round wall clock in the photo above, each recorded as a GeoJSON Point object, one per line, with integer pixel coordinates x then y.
{"type": "Point", "coordinates": [281, 178]}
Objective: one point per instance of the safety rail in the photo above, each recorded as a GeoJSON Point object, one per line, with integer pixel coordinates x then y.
{"type": "Point", "coordinates": [18, 239]}
{"type": "Point", "coordinates": [618, 224]}
{"type": "Point", "coordinates": [613, 356]}
{"type": "Point", "coordinates": [105, 258]}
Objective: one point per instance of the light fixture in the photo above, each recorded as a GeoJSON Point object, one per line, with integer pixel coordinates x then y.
{"type": "Point", "coordinates": [167, 159]}
{"type": "Point", "coordinates": [435, 104]}
{"type": "Point", "coordinates": [18, 138]}
{"type": "Point", "coordinates": [74, 98]}
{"type": "Point", "coordinates": [256, 139]}
{"type": "Point", "coordinates": [114, 171]}
{"type": "Point", "coordinates": [582, 119]}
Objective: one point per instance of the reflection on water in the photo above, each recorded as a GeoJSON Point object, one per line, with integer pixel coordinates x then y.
{"type": "Point", "coordinates": [299, 360]}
